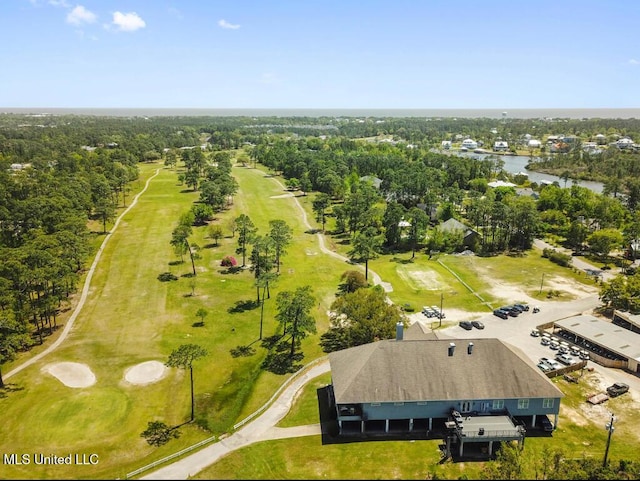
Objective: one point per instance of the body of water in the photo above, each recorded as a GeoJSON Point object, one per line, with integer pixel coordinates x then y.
{"type": "Point", "coordinates": [551, 113]}
{"type": "Point", "coordinates": [518, 163]}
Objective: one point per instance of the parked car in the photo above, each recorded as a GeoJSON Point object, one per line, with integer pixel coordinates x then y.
{"type": "Point", "coordinates": [554, 345]}
{"type": "Point", "coordinates": [543, 366]}
{"type": "Point", "coordinates": [545, 424]}
{"type": "Point", "coordinates": [617, 389]}
{"type": "Point", "coordinates": [550, 363]}
{"type": "Point", "coordinates": [522, 307]}
{"type": "Point", "coordinates": [565, 359]}
{"type": "Point", "coordinates": [477, 324]}
{"type": "Point", "coordinates": [563, 350]}
{"type": "Point", "coordinates": [427, 311]}
{"type": "Point", "coordinates": [544, 341]}
{"type": "Point", "coordinates": [465, 325]}
{"type": "Point", "coordinates": [512, 311]}
{"type": "Point", "coordinates": [500, 313]}
{"type": "Point", "coordinates": [535, 333]}
{"type": "Point", "coordinates": [584, 355]}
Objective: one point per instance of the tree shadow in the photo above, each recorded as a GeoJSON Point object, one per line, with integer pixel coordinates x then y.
{"type": "Point", "coordinates": [242, 351]}
{"type": "Point", "coordinates": [281, 362]}
{"type": "Point", "coordinates": [9, 388]}
{"type": "Point", "coordinates": [211, 245]}
{"type": "Point", "coordinates": [312, 231]}
{"type": "Point", "coordinates": [399, 260]}
{"type": "Point", "coordinates": [270, 341]}
{"type": "Point", "coordinates": [241, 306]}
{"type": "Point", "coordinates": [198, 324]}
{"type": "Point", "coordinates": [176, 263]}
{"type": "Point", "coordinates": [188, 274]}
{"type": "Point", "coordinates": [231, 270]}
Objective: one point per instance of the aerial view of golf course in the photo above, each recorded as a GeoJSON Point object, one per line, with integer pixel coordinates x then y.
{"type": "Point", "coordinates": [177, 293]}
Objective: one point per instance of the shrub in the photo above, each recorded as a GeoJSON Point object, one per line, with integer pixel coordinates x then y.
{"type": "Point", "coordinates": [556, 257]}
{"type": "Point", "coordinates": [229, 261]}
{"type": "Point", "coordinates": [167, 276]}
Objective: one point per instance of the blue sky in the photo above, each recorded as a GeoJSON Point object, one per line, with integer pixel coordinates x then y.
{"type": "Point", "coordinates": [320, 54]}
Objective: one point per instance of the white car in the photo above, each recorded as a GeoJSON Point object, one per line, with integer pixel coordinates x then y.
{"type": "Point", "coordinates": [565, 359]}
{"type": "Point", "coordinates": [544, 341]}
{"type": "Point", "coordinates": [535, 333]}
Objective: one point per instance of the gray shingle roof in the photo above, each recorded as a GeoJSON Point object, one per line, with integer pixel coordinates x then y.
{"type": "Point", "coordinates": [422, 370]}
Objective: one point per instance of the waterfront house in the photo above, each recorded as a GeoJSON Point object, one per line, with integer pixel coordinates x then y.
{"type": "Point", "coordinates": [500, 146]}
{"type": "Point", "coordinates": [469, 144]}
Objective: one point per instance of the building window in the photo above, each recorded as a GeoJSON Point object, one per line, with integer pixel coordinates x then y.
{"type": "Point", "coordinates": [547, 403]}
{"type": "Point", "coordinates": [523, 404]}
{"type": "Point", "coordinates": [375, 404]}
{"type": "Point", "coordinates": [498, 404]}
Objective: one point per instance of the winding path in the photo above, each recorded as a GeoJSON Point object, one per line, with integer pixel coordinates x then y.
{"type": "Point", "coordinates": [85, 289]}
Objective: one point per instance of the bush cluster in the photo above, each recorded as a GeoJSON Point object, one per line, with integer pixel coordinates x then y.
{"type": "Point", "coordinates": [556, 257]}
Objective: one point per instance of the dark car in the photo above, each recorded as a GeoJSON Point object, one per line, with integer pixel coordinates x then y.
{"type": "Point", "coordinates": [477, 324]}
{"type": "Point", "coordinates": [545, 424]}
{"type": "Point", "coordinates": [521, 307]}
{"type": "Point", "coordinates": [617, 389]}
{"type": "Point", "coordinates": [512, 311]}
{"type": "Point", "coordinates": [466, 325]}
{"type": "Point", "coordinates": [500, 313]}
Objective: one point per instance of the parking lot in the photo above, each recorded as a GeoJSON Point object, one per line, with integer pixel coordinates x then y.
{"type": "Point", "coordinates": [517, 332]}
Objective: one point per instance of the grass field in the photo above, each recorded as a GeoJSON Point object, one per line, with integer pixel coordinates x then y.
{"type": "Point", "coordinates": [580, 434]}
{"type": "Point", "coordinates": [131, 317]}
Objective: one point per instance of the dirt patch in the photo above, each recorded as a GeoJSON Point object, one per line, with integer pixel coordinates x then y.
{"type": "Point", "coordinates": [145, 373]}
{"type": "Point", "coordinates": [563, 285]}
{"type": "Point", "coordinates": [71, 374]}
{"type": "Point", "coordinates": [282, 196]}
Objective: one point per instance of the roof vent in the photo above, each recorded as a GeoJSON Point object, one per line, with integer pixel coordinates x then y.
{"type": "Point", "coordinates": [470, 348]}
{"type": "Point", "coordinates": [399, 331]}
{"type": "Point", "coordinates": [452, 347]}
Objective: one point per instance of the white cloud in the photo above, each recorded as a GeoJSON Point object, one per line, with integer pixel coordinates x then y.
{"type": "Point", "coordinates": [59, 3]}
{"type": "Point", "coordinates": [128, 22]}
{"type": "Point", "coordinates": [633, 61]}
{"type": "Point", "coordinates": [224, 24]}
{"type": "Point", "coordinates": [80, 15]}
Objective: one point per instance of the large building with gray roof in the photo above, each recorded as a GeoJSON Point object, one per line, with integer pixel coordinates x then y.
{"type": "Point", "coordinates": [403, 386]}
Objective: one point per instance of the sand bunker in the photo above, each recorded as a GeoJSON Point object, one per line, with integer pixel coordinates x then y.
{"type": "Point", "coordinates": [145, 373]}
{"type": "Point", "coordinates": [71, 374]}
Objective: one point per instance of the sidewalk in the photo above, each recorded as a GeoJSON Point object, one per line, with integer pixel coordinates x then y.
{"type": "Point", "coordinates": [262, 428]}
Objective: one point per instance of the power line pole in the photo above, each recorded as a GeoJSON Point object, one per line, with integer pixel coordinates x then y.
{"type": "Point", "coordinates": [609, 427]}
{"type": "Point", "coordinates": [541, 281]}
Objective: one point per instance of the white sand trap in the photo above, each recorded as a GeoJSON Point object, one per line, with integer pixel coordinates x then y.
{"type": "Point", "coordinates": [71, 374]}
{"type": "Point", "coordinates": [145, 373]}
